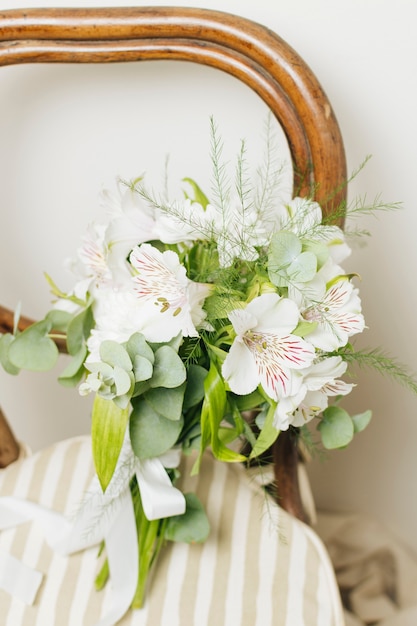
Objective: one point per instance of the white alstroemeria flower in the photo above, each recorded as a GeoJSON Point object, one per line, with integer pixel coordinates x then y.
{"type": "Point", "coordinates": [89, 267]}
{"type": "Point", "coordinates": [319, 381]}
{"type": "Point", "coordinates": [132, 221]}
{"type": "Point", "coordinates": [338, 316]}
{"type": "Point", "coordinates": [264, 350]}
{"type": "Point", "coordinates": [182, 222]}
{"type": "Point", "coordinates": [300, 216]}
{"type": "Point", "coordinates": [93, 255]}
{"type": "Point", "coordinates": [177, 301]}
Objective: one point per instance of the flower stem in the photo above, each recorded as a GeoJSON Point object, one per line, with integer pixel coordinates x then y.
{"type": "Point", "coordinates": [150, 540]}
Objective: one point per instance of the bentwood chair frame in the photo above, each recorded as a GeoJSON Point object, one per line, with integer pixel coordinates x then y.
{"type": "Point", "coordinates": [244, 49]}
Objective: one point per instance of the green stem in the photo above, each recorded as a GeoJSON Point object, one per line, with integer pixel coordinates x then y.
{"type": "Point", "coordinates": [150, 540]}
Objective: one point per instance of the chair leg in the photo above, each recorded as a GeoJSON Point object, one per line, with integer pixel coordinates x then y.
{"type": "Point", "coordinates": [9, 447]}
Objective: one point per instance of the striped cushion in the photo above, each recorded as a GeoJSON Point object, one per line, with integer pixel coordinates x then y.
{"type": "Point", "coordinates": [259, 565]}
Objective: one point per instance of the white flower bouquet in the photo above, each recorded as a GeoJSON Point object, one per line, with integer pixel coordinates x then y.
{"type": "Point", "coordinates": [200, 323]}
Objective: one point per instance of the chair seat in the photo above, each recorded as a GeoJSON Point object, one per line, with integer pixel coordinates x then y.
{"type": "Point", "coordinates": [259, 565]}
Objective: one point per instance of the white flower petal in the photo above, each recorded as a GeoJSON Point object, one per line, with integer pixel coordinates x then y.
{"type": "Point", "coordinates": [239, 369]}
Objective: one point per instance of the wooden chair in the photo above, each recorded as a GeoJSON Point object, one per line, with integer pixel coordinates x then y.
{"type": "Point", "coordinates": [244, 49]}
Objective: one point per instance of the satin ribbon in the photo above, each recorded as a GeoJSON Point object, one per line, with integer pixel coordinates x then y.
{"type": "Point", "coordinates": [109, 517]}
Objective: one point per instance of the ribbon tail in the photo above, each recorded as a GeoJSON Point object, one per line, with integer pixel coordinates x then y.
{"type": "Point", "coordinates": [123, 556]}
{"type": "Point", "coordinates": [160, 498]}
{"type": "Point", "coordinates": [19, 580]}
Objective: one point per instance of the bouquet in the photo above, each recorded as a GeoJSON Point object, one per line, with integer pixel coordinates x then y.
{"type": "Point", "coordinates": [201, 322]}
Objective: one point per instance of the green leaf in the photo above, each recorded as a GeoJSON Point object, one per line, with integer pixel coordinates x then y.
{"type": "Point", "coordinates": [167, 402]}
{"type": "Point", "coordinates": [61, 294]}
{"type": "Point", "coordinates": [304, 328]}
{"type": "Point", "coordinates": [248, 402]}
{"type": "Point", "coordinates": [142, 368]}
{"type": "Point", "coordinates": [361, 421]}
{"type": "Point", "coordinates": [194, 391]}
{"type": "Point", "coordinates": [59, 320]}
{"type": "Point", "coordinates": [212, 414]}
{"type": "Point", "coordinates": [152, 434]}
{"type": "Point", "coordinates": [320, 250]}
{"type": "Point", "coordinates": [137, 346]}
{"type": "Point", "coordinates": [79, 330]}
{"type": "Point", "coordinates": [336, 428]}
{"type": "Point", "coordinates": [33, 349]}
{"type": "Point", "coordinates": [107, 432]}
{"type": "Point", "coordinates": [115, 355]}
{"type": "Point", "coordinates": [267, 436]}
{"type": "Point", "coordinates": [284, 249]}
{"type": "Point", "coordinates": [169, 371]}
{"type": "Point", "coordinates": [5, 341]}
{"type": "Point", "coordinates": [303, 268]}
{"type": "Point", "coordinates": [122, 380]}
{"type": "Point", "coordinates": [73, 373]}
{"type": "Point", "coordinates": [191, 527]}
{"type": "Point", "coordinates": [199, 196]}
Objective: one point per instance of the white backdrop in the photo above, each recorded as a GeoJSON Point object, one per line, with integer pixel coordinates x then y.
{"type": "Point", "coordinates": [65, 132]}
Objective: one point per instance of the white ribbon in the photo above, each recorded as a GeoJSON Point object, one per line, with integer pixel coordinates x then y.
{"type": "Point", "coordinates": [109, 517]}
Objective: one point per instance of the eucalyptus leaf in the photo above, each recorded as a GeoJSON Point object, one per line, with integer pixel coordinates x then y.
{"type": "Point", "coordinates": [5, 341]}
{"type": "Point", "coordinates": [115, 355]}
{"type": "Point", "coordinates": [152, 434]}
{"type": "Point", "coordinates": [122, 380]}
{"type": "Point", "coordinates": [59, 319]}
{"type": "Point", "coordinates": [138, 346]}
{"type": "Point", "coordinates": [73, 373]}
{"type": "Point", "coordinates": [142, 368]}
{"type": "Point", "coordinates": [169, 371]}
{"type": "Point", "coordinates": [167, 402]}
{"type": "Point", "coordinates": [361, 420]}
{"type": "Point", "coordinates": [107, 433]}
{"type": "Point", "coordinates": [33, 350]}
{"type": "Point", "coordinates": [336, 428]}
{"type": "Point", "coordinates": [78, 330]}
{"type": "Point", "coordinates": [191, 527]}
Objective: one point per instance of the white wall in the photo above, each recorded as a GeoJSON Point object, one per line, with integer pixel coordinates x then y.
{"type": "Point", "coordinates": [66, 132]}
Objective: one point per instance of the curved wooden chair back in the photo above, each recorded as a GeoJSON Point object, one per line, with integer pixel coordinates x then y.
{"type": "Point", "coordinates": [244, 49]}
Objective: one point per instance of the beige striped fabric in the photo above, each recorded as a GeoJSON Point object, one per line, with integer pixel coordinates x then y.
{"type": "Point", "coordinates": [259, 567]}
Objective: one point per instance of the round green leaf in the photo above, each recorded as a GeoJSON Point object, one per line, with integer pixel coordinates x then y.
{"type": "Point", "coordinates": [191, 527]}
{"type": "Point", "coordinates": [78, 330]}
{"type": "Point", "coordinates": [142, 368]}
{"type": "Point", "coordinates": [115, 354]}
{"type": "Point", "coordinates": [150, 433]}
{"type": "Point", "coordinates": [336, 428]}
{"type": "Point", "coordinates": [361, 421]}
{"type": "Point", "coordinates": [5, 342]}
{"type": "Point", "coordinates": [284, 249]}
{"type": "Point", "coordinates": [137, 346]}
{"type": "Point", "coordinates": [33, 349]}
{"type": "Point", "coordinates": [169, 370]}
{"type": "Point", "coordinates": [303, 268]}
{"type": "Point", "coordinates": [167, 402]}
